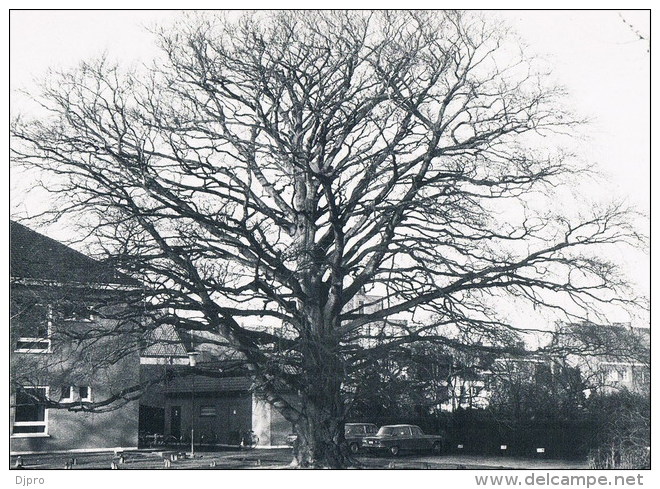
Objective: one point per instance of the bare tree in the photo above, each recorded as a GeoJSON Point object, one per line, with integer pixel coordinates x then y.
{"type": "Point", "coordinates": [274, 167]}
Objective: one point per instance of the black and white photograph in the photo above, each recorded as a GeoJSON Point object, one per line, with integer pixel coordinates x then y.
{"type": "Point", "coordinates": [330, 239]}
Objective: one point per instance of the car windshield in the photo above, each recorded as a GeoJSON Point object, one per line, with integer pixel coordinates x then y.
{"type": "Point", "coordinates": [394, 431]}
{"type": "Point", "coordinates": [360, 429]}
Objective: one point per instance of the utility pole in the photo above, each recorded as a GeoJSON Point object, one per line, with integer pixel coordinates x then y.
{"type": "Point", "coordinates": [192, 357]}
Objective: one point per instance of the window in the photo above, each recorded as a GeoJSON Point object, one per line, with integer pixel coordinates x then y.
{"type": "Point", "coordinates": [33, 345]}
{"type": "Point", "coordinates": [85, 392]}
{"type": "Point", "coordinates": [207, 411]}
{"type": "Point", "coordinates": [31, 415]}
{"type": "Point", "coordinates": [66, 393]}
{"type": "Point", "coordinates": [626, 374]}
{"type": "Point", "coordinates": [33, 324]}
{"type": "Point", "coordinates": [417, 431]}
{"type": "Point", "coordinates": [72, 311]}
{"type": "Point", "coordinates": [640, 376]}
{"type": "Point", "coordinates": [617, 373]}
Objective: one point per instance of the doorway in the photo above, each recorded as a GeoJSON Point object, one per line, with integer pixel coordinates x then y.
{"type": "Point", "coordinates": [175, 421]}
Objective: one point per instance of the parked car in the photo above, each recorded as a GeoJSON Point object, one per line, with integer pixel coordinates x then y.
{"type": "Point", "coordinates": [394, 438]}
{"type": "Point", "coordinates": [354, 433]}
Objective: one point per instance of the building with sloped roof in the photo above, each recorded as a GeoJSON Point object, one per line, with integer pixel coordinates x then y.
{"type": "Point", "coordinates": [209, 402]}
{"type": "Point", "coordinates": [69, 372]}
{"type": "Point", "coordinates": [611, 357]}
{"type": "Point", "coordinates": [35, 258]}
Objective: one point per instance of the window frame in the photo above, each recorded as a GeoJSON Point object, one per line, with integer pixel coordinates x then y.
{"type": "Point", "coordinates": [208, 413]}
{"type": "Point", "coordinates": [615, 373]}
{"type": "Point", "coordinates": [46, 339]}
{"type": "Point", "coordinates": [88, 317]}
{"type": "Point", "coordinates": [43, 423]}
{"type": "Point", "coordinates": [88, 397]}
{"type": "Point", "coordinates": [70, 396]}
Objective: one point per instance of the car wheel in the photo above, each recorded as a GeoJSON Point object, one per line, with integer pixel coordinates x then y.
{"type": "Point", "coordinates": [394, 450]}
{"type": "Point", "coordinates": [354, 447]}
{"type": "Point", "coordinates": [437, 447]}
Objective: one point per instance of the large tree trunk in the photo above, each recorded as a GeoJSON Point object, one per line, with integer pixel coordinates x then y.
{"type": "Point", "coordinates": [320, 428]}
{"type": "Point", "coordinates": [320, 442]}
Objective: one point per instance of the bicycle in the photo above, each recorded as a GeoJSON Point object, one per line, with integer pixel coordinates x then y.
{"type": "Point", "coordinates": [249, 440]}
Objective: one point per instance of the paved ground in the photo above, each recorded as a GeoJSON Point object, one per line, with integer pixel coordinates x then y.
{"type": "Point", "coordinates": [275, 459]}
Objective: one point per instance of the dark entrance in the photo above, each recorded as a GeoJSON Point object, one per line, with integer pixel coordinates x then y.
{"type": "Point", "coordinates": [175, 421]}
{"type": "Point", "coordinates": [235, 428]}
{"type": "Point", "coordinates": [151, 422]}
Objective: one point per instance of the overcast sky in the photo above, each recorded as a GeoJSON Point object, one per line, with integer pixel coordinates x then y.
{"type": "Point", "coordinates": [597, 56]}
{"type": "Point", "coordinates": [594, 54]}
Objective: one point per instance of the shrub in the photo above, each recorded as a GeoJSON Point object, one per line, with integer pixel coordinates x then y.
{"type": "Point", "coordinates": [620, 457]}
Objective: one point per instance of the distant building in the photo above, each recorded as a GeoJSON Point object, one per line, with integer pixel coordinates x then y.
{"type": "Point", "coordinates": [602, 358]}
{"type": "Point", "coordinates": [378, 331]}
{"type": "Point", "coordinates": [610, 357]}
{"type": "Point", "coordinates": [61, 302]}
{"type": "Point", "coordinates": [466, 391]}
{"type": "Point", "coordinates": [215, 402]}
